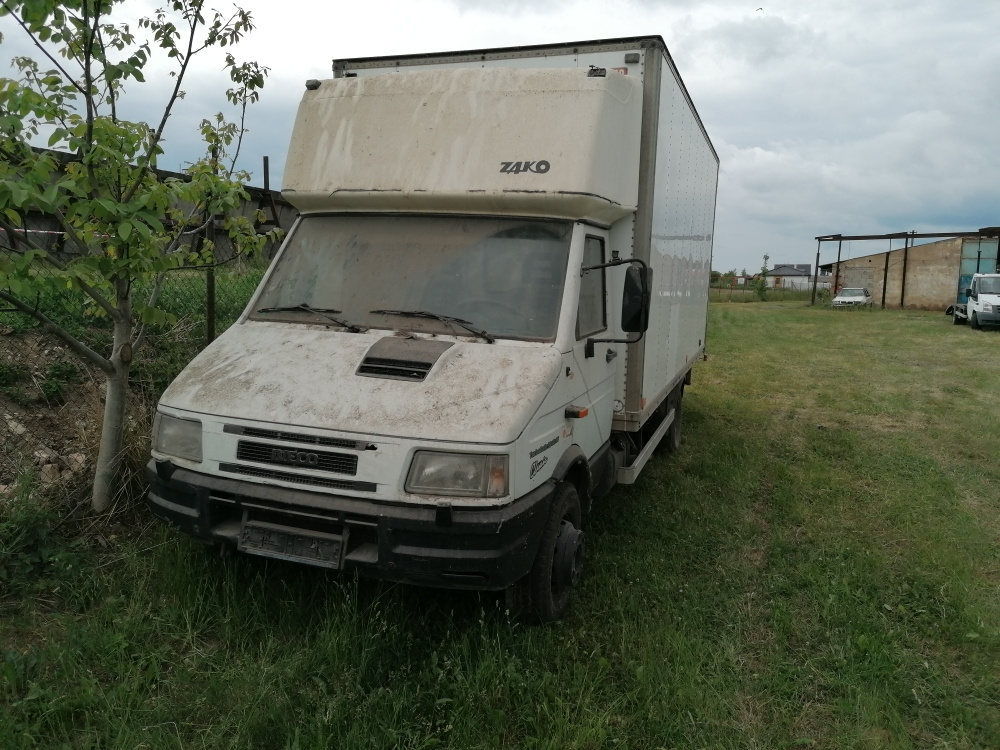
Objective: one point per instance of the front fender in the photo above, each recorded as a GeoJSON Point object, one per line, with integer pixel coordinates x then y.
{"type": "Point", "coordinates": [574, 467]}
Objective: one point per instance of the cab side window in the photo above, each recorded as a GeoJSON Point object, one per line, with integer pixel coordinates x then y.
{"type": "Point", "coordinates": [592, 312]}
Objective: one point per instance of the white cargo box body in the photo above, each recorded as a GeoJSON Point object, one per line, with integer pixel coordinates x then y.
{"type": "Point", "coordinates": [631, 153]}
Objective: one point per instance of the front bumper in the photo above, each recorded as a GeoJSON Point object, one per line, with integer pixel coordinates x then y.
{"type": "Point", "coordinates": [445, 547]}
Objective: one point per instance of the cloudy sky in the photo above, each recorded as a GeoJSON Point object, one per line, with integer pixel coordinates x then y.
{"type": "Point", "coordinates": [850, 116]}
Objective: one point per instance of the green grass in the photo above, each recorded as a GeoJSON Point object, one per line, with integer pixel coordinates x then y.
{"type": "Point", "coordinates": [817, 567]}
{"type": "Point", "coordinates": [745, 293]}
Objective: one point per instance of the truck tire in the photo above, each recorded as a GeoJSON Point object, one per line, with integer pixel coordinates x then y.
{"type": "Point", "coordinates": [559, 563]}
{"type": "Point", "coordinates": [672, 439]}
{"type": "Point", "coordinates": [974, 322]}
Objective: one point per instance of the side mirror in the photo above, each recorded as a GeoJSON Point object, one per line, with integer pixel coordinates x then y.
{"type": "Point", "coordinates": [636, 299]}
{"type": "Point", "coordinates": [968, 292]}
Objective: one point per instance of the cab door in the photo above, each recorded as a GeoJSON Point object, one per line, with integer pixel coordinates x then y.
{"type": "Point", "coordinates": [596, 372]}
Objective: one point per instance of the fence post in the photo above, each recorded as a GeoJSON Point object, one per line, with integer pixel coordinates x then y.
{"type": "Point", "coordinates": [836, 274]}
{"type": "Point", "coordinates": [812, 301]}
{"type": "Point", "coordinates": [210, 302]}
{"type": "Point", "coordinates": [210, 274]}
{"type": "Point", "coordinates": [885, 273]}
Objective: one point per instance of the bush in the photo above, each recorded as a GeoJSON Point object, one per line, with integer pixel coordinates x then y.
{"type": "Point", "coordinates": [35, 559]}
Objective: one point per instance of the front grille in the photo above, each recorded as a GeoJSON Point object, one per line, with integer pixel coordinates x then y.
{"type": "Point", "coordinates": [262, 453]}
{"type": "Point", "coordinates": [295, 437]}
{"type": "Point", "coordinates": [394, 368]}
{"type": "Point", "coordinates": [336, 484]}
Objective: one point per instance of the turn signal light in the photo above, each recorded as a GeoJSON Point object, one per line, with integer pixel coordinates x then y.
{"type": "Point", "coordinates": [576, 412]}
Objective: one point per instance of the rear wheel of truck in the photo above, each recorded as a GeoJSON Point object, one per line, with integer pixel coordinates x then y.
{"type": "Point", "coordinates": [672, 439]}
{"type": "Point", "coordinates": [219, 550]}
{"type": "Point", "coordinates": [545, 592]}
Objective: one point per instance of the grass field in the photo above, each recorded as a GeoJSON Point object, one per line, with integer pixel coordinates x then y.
{"type": "Point", "coordinates": [818, 567]}
{"type": "Point", "coordinates": [745, 293]}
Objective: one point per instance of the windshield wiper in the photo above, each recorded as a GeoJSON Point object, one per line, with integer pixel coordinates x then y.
{"type": "Point", "coordinates": [434, 316]}
{"type": "Point", "coordinates": [323, 312]}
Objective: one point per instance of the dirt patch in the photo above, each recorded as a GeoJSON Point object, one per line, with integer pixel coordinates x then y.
{"type": "Point", "coordinates": [50, 409]}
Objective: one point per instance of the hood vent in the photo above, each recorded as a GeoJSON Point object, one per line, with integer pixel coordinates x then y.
{"type": "Point", "coordinates": [402, 359]}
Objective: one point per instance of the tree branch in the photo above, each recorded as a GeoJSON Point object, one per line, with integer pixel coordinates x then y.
{"type": "Point", "coordinates": [45, 52]}
{"type": "Point", "coordinates": [102, 302]}
{"type": "Point", "coordinates": [12, 233]}
{"type": "Point", "coordinates": [144, 162]}
{"type": "Point", "coordinates": [154, 297]}
{"type": "Point", "coordinates": [239, 140]}
{"type": "Point", "coordinates": [109, 86]}
{"type": "Point", "coordinates": [88, 81]}
{"type": "Point", "coordinates": [81, 349]}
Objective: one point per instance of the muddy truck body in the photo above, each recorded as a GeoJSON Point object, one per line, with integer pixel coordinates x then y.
{"type": "Point", "coordinates": [483, 319]}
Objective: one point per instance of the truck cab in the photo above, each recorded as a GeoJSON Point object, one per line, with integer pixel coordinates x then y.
{"type": "Point", "coordinates": [983, 305]}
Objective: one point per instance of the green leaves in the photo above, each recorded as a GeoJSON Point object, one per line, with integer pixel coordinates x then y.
{"type": "Point", "coordinates": [153, 315]}
{"type": "Point", "coordinates": [120, 221]}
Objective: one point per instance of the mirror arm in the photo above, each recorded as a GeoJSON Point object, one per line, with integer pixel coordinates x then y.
{"type": "Point", "coordinates": [588, 349]}
{"type": "Point", "coordinates": [616, 262]}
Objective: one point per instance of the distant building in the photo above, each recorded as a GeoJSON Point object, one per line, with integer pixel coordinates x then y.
{"type": "Point", "coordinates": [929, 277]}
{"type": "Point", "coordinates": [803, 268]}
{"type": "Point", "coordinates": [794, 276]}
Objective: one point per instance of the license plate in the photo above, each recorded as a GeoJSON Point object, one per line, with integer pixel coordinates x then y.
{"type": "Point", "coordinates": [270, 540]}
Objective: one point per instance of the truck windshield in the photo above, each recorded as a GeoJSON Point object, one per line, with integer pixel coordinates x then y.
{"type": "Point", "coordinates": [989, 285]}
{"type": "Point", "coordinates": [501, 276]}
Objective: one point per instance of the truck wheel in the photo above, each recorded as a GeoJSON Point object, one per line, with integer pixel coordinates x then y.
{"type": "Point", "coordinates": [974, 322]}
{"type": "Point", "coordinates": [559, 563]}
{"type": "Point", "coordinates": [219, 550]}
{"type": "Point", "coordinates": [673, 436]}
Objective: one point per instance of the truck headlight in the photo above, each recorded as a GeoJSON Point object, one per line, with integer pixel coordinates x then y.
{"type": "Point", "coordinates": [177, 437]}
{"type": "Point", "coordinates": [461, 474]}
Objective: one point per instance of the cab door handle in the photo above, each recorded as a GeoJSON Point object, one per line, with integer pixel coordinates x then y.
{"type": "Point", "coordinates": [610, 355]}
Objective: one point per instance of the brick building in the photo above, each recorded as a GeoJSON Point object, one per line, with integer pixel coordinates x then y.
{"type": "Point", "coordinates": [928, 277]}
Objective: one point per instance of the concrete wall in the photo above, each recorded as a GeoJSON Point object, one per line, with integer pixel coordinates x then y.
{"type": "Point", "coordinates": [931, 275]}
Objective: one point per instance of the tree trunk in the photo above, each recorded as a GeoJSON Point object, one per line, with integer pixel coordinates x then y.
{"type": "Point", "coordinates": [109, 457]}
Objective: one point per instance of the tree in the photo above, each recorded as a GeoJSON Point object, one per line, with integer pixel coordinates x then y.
{"type": "Point", "coordinates": [759, 283]}
{"type": "Point", "coordinates": [127, 224]}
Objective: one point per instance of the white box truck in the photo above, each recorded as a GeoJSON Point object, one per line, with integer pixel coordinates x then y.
{"type": "Point", "coordinates": [483, 318]}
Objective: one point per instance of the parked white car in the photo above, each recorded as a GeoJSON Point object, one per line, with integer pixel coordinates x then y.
{"type": "Point", "coordinates": [852, 298]}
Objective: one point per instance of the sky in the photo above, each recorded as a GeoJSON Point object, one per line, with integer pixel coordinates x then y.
{"type": "Point", "coordinates": [846, 116]}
